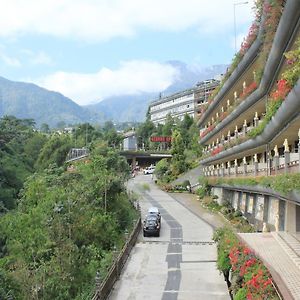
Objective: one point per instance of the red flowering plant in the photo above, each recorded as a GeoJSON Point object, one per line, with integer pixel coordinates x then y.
{"type": "Point", "coordinates": [281, 91]}
{"type": "Point", "coordinates": [223, 115]}
{"type": "Point", "coordinates": [217, 150]}
{"type": "Point", "coordinates": [258, 283]}
{"type": "Point", "coordinates": [249, 39]}
{"type": "Point", "coordinates": [253, 276]}
{"type": "Point", "coordinates": [207, 130]}
{"type": "Point", "coordinates": [248, 90]}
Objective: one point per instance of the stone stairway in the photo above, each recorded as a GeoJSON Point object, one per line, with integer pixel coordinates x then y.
{"type": "Point", "coordinates": [290, 244]}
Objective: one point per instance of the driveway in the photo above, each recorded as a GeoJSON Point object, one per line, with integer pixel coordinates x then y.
{"type": "Point", "coordinates": [180, 264]}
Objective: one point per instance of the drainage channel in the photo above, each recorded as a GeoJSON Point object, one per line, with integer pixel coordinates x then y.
{"type": "Point", "coordinates": [175, 248]}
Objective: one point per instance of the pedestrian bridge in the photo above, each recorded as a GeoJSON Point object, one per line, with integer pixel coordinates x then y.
{"type": "Point", "coordinates": [144, 158]}
{"type": "Point", "coordinates": [77, 154]}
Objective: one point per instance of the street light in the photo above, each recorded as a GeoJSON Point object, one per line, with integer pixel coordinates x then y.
{"type": "Point", "coordinates": [234, 21]}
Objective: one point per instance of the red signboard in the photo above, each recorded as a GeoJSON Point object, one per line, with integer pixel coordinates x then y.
{"type": "Point", "coordinates": [160, 139]}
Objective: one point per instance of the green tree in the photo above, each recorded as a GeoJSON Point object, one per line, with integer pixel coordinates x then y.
{"type": "Point", "coordinates": [45, 128]}
{"type": "Point", "coordinates": [54, 151]}
{"type": "Point", "coordinates": [178, 163]}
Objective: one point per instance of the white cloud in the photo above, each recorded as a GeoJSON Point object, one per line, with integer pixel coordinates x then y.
{"type": "Point", "coordinates": [132, 77]}
{"type": "Point", "coordinates": [8, 60]}
{"type": "Point", "coordinates": [41, 58]}
{"type": "Point", "coordinates": [37, 58]}
{"type": "Point", "coordinates": [96, 20]}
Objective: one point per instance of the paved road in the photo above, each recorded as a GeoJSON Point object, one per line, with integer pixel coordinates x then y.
{"type": "Point", "coordinates": [180, 264]}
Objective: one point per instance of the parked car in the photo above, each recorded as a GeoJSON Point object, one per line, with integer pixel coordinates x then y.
{"type": "Point", "coordinates": [154, 211]}
{"type": "Point", "coordinates": [149, 170]}
{"type": "Point", "coordinates": [151, 225]}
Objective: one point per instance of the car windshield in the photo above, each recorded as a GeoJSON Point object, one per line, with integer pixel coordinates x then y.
{"type": "Point", "coordinates": [150, 223]}
{"type": "Point", "coordinates": [153, 210]}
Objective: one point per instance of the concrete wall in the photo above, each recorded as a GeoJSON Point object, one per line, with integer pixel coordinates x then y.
{"type": "Point", "coordinates": [130, 143]}
{"type": "Point", "coordinates": [290, 217]}
{"type": "Point", "coordinates": [257, 208]}
{"type": "Point", "coordinates": [215, 191]}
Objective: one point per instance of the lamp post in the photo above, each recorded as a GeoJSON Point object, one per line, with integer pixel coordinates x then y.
{"type": "Point", "coordinates": [234, 20]}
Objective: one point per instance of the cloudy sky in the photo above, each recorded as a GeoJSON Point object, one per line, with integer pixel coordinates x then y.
{"type": "Point", "coordinates": [92, 49]}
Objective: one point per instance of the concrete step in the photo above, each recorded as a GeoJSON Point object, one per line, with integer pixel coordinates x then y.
{"type": "Point", "coordinates": [284, 239]}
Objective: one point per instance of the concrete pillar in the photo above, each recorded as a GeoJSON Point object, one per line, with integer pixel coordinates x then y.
{"type": "Point", "coordinates": [286, 155]}
{"type": "Point", "coordinates": [222, 139]}
{"type": "Point", "coordinates": [276, 159]}
{"type": "Point", "coordinates": [222, 170]}
{"type": "Point", "coordinates": [256, 119]}
{"type": "Point", "coordinates": [228, 136]}
{"type": "Point", "coordinates": [290, 217]}
{"type": "Point", "coordinates": [255, 163]}
{"type": "Point", "coordinates": [236, 167]}
{"type": "Point", "coordinates": [236, 133]}
{"type": "Point", "coordinates": [276, 163]}
{"type": "Point", "coordinates": [244, 166]}
{"type": "Point", "coordinates": [245, 128]}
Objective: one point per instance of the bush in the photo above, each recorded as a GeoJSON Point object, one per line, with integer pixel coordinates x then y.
{"type": "Point", "coordinates": [245, 274]}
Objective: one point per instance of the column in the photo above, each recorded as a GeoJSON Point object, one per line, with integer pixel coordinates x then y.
{"type": "Point", "coordinates": [236, 132]}
{"type": "Point", "coordinates": [236, 167]}
{"type": "Point", "coordinates": [286, 155]}
{"type": "Point", "coordinates": [256, 119]}
{"type": "Point", "coordinates": [255, 164]}
{"type": "Point", "coordinates": [276, 159]}
{"type": "Point", "coordinates": [245, 127]}
{"type": "Point", "coordinates": [245, 166]}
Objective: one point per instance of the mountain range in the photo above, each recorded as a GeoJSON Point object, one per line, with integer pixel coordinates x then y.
{"type": "Point", "coordinates": [125, 108]}
{"type": "Point", "coordinates": [27, 100]}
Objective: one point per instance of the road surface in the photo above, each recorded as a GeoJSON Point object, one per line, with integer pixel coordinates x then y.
{"type": "Point", "coordinates": [180, 264]}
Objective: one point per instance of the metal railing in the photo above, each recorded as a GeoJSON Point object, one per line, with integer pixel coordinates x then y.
{"type": "Point", "coordinates": [104, 288]}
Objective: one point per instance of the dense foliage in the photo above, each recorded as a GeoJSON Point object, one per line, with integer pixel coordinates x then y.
{"type": "Point", "coordinates": [184, 146]}
{"type": "Point", "coordinates": [19, 148]}
{"type": "Point", "coordinates": [58, 228]}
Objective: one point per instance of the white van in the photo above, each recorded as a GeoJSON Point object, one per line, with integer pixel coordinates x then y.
{"type": "Point", "coordinates": [149, 170]}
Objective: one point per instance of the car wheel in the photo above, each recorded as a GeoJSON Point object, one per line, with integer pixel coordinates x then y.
{"type": "Point", "coordinates": [144, 234]}
{"type": "Point", "coordinates": [158, 234]}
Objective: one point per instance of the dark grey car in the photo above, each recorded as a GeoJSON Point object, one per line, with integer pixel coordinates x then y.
{"type": "Point", "coordinates": [151, 226]}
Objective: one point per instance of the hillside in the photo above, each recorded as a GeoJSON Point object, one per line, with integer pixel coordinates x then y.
{"type": "Point", "coordinates": [26, 100]}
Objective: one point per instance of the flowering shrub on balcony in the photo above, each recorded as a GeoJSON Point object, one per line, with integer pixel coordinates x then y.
{"type": "Point", "coordinates": [244, 273]}
{"type": "Point", "coordinates": [248, 90]}
{"type": "Point", "coordinates": [207, 130]}
{"type": "Point", "coordinates": [272, 9]}
{"type": "Point", "coordinates": [250, 38]}
{"type": "Point", "coordinates": [281, 91]}
{"type": "Point", "coordinates": [217, 150]}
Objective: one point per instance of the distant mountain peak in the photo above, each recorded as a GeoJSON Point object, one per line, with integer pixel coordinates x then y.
{"type": "Point", "coordinates": [125, 108]}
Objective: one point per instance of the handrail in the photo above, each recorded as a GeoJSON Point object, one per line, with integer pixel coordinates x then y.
{"type": "Point", "coordinates": [288, 110]}
{"type": "Point", "coordinates": [113, 274]}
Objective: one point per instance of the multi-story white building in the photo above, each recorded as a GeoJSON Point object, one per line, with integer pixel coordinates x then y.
{"type": "Point", "coordinates": [185, 102]}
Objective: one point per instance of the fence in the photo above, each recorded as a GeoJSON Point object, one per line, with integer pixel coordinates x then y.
{"type": "Point", "coordinates": [104, 289]}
